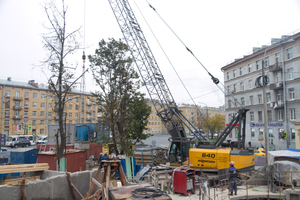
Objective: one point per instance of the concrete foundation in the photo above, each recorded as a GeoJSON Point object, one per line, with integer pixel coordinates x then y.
{"type": "Point", "coordinates": [53, 185]}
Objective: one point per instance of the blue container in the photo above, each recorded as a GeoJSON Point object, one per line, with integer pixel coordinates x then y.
{"type": "Point", "coordinates": [24, 157]}
{"type": "Point", "coordinates": [3, 160]}
{"type": "Point", "coordinates": [12, 174]}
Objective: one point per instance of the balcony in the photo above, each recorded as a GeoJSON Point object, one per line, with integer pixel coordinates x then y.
{"type": "Point", "coordinates": [18, 98]}
{"type": "Point", "coordinates": [89, 103]}
{"type": "Point", "coordinates": [276, 67]}
{"type": "Point", "coordinates": [88, 119]}
{"type": "Point", "coordinates": [17, 107]}
{"type": "Point", "coordinates": [277, 105]}
{"type": "Point", "coordinates": [17, 117]}
{"type": "Point", "coordinates": [89, 111]}
{"type": "Point", "coordinates": [276, 86]}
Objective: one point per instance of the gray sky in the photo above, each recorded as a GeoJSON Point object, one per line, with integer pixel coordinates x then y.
{"type": "Point", "coordinates": [217, 32]}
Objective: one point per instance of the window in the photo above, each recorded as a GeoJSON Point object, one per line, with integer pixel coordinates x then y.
{"type": "Point", "coordinates": [25, 113]}
{"type": "Point", "coordinates": [49, 121]}
{"type": "Point", "coordinates": [70, 115]}
{"type": "Point", "coordinates": [259, 98]}
{"type": "Point", "coordinates": [293, 133]}
{"type": "Point", "coordinates": [289, 53]}
{"type": "Point", "coordinates": [242, 86]}
{"type": "Point", "coordinates": [252, 116]}
{"type": "Point", "coordinates": [70, 121]}
{"type": "Point", "coordinates": [267, 62]}
{"type": "Point", "coordinates": [17, 113]}
{"type": "Point", "coordinates": [250, 68]}
{"type": "Point", "coordinates": [82, 115]}
{"type": "Point", "coordinates": [82, 100]}
{"type": "Point", "coordinates": [70, 99]}
{"type": "Point", "coordinates": [229, 104]}
{"type": "Point", "coordinates": [228, 89]}
{"type": "Point", "coordinates": [17, 93]}
{"type": "Point", "coordinates": [260, 116]}
{"type": "Point", "coordinates": [279, 96]}
{"type": "Point", "coordinates": [280, 115]}
{"type": "Point", "coordinates": [16, 121]}
{"type": "Point", "coordinates": [26, 95]}
{"type": "Point", "coordinates": [252, 133]}
{"type": "Point", "coordinates": [50, 105]}
{"type": "Point", "coordinates": [42, 131]}
{"type": "Point", "coordinates": [261, 131]}
{"type": "Point", "coordinates": [42, 122]}
{"type": "Point", "coordinates": [33, 113]}
{"type": "Point", "coordinates": [34, 122]}
{"type": "Point", "coordinates": [7, 104]}
{"type": "Point", "coordinates": [268, 97]}
{"type": "Point", "coordinates": [6, 113]}
{"type": "Point", "coordinates": [269, 112]}
{"type": "Point", "coordinates": [235, 102]}
{"type": "Point", "coordinates": [35, 95]}
{"type": "Point", "coordinates": [243, 101]}
{"type": "Point", "coordinates": [34, 104]}
{"type": "Point", "coordinates": [278, 77]}
{"type": "Point", "coordinates": [234, 73]}
{"type": "Point", "coordinates": [70, 107]}
{"type": "Point", "coordinates": [290, 74]}
{"type": "Point", "coordinates": [234, 88]}
{"type": "Point", "coordinates": [26, 104]}
{"type": "Point", "coordinates": [241, 71]}
{"type": "Point", "coordinates": [257, 65]}
{"type": "Point", "coordinates": [277, 59]}
{"type": "Point", "coordinates": [43, 96]}
{"type": "Point", "coordinates": [50, 97]}
{"type": "Point", "coordinates": [42, 113]}
{"type": "Point", "coordinates": [26, 122]}
{"type": "Point", "coordinates": [76, 115]}
{"type": "Point", "coordinates": [7, 93]}
{"type": "Point", "coordinates": [291, 93]}
{"type": "Point", "coordinates": [293, 114]}
{"type": "Point", "coordinates": [77, 99]}
{"type": "Point", "coordinates": [42, 105]}
{"type": "Point", "coordinates": [77, 107]}
{"type": "Point", "coordinates": [228, 75]}
{"type": "Point", "coordinates": [94, 108]}
{"type": "Point", "coordinates": [6, 123]}
{"type": "Point", "coordinates": [251, 100]}
{"type": "Point", "coordinates": [250, 84]}
{"type": "Point", "coordinates": [49, 114]}
{"type": "Point", "coordinates": [17, 103]}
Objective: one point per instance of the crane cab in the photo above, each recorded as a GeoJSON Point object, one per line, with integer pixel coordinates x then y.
{"type": "Point", "coordinates": [179, 151]}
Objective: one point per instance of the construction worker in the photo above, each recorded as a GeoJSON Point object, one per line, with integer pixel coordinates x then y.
{"type": "Point", "coordinates": [100, 158]}
{"type": "Point", "coordinates": [233, 175]}
{"type": "Point", "coordinates": [112, 155]}
{"type": "Point", "coordinates": [105, 157]}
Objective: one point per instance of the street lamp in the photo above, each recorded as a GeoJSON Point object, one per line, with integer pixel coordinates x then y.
{"type": "Point", "coordinates": [266, 132]}
{"type": "Point", "coordinates": [206, 119]}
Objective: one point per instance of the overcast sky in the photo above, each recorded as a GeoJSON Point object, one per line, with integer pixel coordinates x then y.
{"type": "Point", "coordinates": [217, 31]}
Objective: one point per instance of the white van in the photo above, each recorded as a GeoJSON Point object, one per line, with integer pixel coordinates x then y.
{"type": "Point", "coordinates": [11, 140]}
{"type": "Point", "coordinates": [43, 139]}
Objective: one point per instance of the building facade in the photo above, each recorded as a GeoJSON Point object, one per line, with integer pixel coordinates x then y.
{"type": "Point", "coordinates": [28, 108]}
{"type": "Point", "coordinates": [243, 79]}
{"type": "Point", "coordinates": [191, 112]}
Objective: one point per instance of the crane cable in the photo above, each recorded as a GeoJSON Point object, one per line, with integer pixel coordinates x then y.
{"type": "Point", "coordinates": [170, 62]}
{"type": "Point", "coordinates": [215, 80]}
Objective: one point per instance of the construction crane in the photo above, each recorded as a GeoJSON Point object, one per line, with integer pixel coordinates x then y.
{"type": "Point", "coordinates": [183, 149]}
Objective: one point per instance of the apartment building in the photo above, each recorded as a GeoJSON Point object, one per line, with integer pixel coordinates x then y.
{"type": "Point", "coordinates": [191, 112]}
{"type": "Point", "coordinates": [28, 107]}
{"type": "Point", "coordinates": [243, 80]}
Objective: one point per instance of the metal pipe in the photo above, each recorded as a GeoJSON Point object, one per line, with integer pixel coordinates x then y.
{"type": "Point", "coordinates": [284, 98]}
{"type": "Point", "coordinates": [266, 133]}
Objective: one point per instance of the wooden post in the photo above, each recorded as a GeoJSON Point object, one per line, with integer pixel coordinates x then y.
{"type": "Point", "coordinates": [24, 195]}
{"type": "Point", "coordinates": [74, 188]}
{"type": "Point", "coordinates": [107, 179]}
{"type": "Point", "coordinates": [96, 177]}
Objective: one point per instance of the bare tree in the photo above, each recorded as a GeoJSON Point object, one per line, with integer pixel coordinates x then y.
{"type": "Point", "coordinates": [60, 44]}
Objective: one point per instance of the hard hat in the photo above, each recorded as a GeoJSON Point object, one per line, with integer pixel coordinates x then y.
{"type": "Point", "coordinates": [232, 163]}
{"type": "Point", "coordinates": [101, 153]}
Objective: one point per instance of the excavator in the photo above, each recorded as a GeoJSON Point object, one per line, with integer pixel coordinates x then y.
{"type": "Point", "coordinates": [197, 152]}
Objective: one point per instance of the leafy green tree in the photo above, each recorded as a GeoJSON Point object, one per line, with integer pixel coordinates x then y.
{"type": "Point", "coordinates": [123, 107]}
{"type": "Point", "coordinates": [216, 123]}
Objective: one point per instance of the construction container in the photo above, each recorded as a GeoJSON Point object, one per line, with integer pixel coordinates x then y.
{"type": "Point", "coordinates": [184, 180]}
{"type": "Point", "coordinates": [3, 160]}
{"type": "Point", "coordinates": [24, 156]}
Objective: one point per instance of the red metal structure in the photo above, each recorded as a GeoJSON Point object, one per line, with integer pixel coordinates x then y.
{"type": "Point", "coordinates": [184, 180]}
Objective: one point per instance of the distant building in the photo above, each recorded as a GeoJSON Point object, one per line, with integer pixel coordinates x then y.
{"type": "Point", "coordinates": [282, 67]}
{"type": "Point", "coordinates": [33, 106]}
{"type": "Point", "coordinates": [191, 112]}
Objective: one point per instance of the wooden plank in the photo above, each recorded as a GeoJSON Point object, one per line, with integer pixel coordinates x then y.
{"type": "Point", "coordinates": [23, 165]}
{"type": "Point", "coordinates": [76, 190]}
{"type": "Point", "coordinates": [70, 183]}
{"type": "Point", "coordinates": [107, 181]}
{"type": "Point", "coordinates": [4, 171]}
{"type": "Point", "coordinates": [97, 183]}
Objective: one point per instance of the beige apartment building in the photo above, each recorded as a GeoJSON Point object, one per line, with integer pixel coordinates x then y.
{"type": "Point", "coordinates": [191, 112]}
{"type": "Point", "coordinates": [28, 108]}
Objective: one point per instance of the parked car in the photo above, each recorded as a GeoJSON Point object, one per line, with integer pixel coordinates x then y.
{"type": "Point", "coordinates": [259, 152]}
{"type": "Point", "coordinates": [21, 143]}
{"type": "Point", "coordinates": [3, 149]}
{"type": "Point", "coordinates": [42, 139]}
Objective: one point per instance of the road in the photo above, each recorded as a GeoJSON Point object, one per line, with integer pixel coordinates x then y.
{"type": "Point", "coordinates": [160, 140]}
